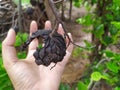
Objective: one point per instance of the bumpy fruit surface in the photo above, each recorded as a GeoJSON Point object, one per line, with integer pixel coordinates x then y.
{"type": "Point", "coordinates": [54, 48]}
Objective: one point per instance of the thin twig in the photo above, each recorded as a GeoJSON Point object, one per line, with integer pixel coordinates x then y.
{"type": "Point", "coordinates": [63, 10]}
{"type": "Point", "coordinates": [93, 83]}
{"type": "Point", "coordinates": [58, 20]}
{"type": "Point", "coordinates": [13, 18]}
{"type": "Point", "coordinates": [19, 17]}
{"type": "Point", "coordinates": [3, 34]}
{"type": "Point", "coordinates": [58, 1]}
{"type": "Point", "coordinates": [101, 61]}
{"type": "Point", "coordinates": [70, 10]}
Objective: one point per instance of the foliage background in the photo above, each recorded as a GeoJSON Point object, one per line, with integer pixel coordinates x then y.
{"type": "Point", "coordinates": [103, 23]}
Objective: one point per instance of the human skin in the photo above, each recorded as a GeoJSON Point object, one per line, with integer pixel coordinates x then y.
{"type": "Point", "coordinates": [25, 74]}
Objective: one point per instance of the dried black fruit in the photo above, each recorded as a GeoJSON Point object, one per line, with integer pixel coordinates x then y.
{"type": "Point", "coordinates": [54, 49]}
{"type": "Point", "coordinates": [29, 11]}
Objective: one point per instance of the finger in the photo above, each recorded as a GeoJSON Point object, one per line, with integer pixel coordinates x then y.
{"type": "Point", "coordinates": [60, 30]}
{"type": "Point", "coordinates": [70, 47]}
{"type": "Point", "coordinates": [68, 51]}
{"type": "Point", "coordinates": [8, 49]}
{"type": "Point", "coordinates": [48, 25]}
{"type": "Point", "coordinates": [34, 44]}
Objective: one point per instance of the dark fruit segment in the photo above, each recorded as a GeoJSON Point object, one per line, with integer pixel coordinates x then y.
{"type": "Point", "coordinates": [54, 48]}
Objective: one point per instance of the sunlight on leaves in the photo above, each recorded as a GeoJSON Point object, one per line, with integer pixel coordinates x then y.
{"type": "Point", "coordinates": [96, 76]}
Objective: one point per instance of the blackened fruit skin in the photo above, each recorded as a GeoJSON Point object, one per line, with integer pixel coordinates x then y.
{"type": "Point", "coordinates": [53, 51]}
{"type": "Point", "coordinates": [29, 11]}
{"type": "Point", "coordinates": [54, 48]}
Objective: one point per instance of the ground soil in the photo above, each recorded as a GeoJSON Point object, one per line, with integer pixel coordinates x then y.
{"type": "Point", "coordinates": [76, 65]}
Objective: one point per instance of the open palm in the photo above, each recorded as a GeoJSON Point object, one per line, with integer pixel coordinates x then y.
{"type": "Point", "coordinates": [26, 74]}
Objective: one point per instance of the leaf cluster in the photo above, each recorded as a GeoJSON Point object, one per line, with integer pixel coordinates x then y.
{"type": "Point", "coordinates": [104, 24]}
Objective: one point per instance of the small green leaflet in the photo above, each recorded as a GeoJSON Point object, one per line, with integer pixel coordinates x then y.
{"type": "Point", "coordinates": [96, 76]}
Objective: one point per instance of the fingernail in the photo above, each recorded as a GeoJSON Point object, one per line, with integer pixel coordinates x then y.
{"type": "Point", "coordinates": [48, 25]}
{"type": "Point", "coordinates": [48, 22]}
{"type": "Point", "coordinates": [69, 34]}
{"type": "Point", "coordinates": [10, 31]}
{"type": "Point", "coordinates": [10, 39]}
{"type": "Point", "coordinates": [33, 21]}
{"type": "Point", "coordinates": [60, 25]}
{"type": "Point", "coordinates": [33, 24]}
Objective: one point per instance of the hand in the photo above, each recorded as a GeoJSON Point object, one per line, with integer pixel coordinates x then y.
{"type": "Point", "coordinates": [25, 74]}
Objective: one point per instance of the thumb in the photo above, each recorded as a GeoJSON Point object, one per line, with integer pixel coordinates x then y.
{"type": "Point", "coordinates": [10, 39]}
{"type": "Point", "coordinates": [8, 49]}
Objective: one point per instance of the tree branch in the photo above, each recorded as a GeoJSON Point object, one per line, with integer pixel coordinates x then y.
{"type": "Point", "coordinates": [19, 15]}
{"type": "Point", "coordinates": [58, 20]}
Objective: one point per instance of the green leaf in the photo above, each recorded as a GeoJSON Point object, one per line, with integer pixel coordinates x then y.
{"type": "Point", "coordinates": [0, 47]}
{"type": "Point", "coordinates": [107, 40]}
{"type": "Point", "coordinates": [77, 3]}
{"type": "Point", "coordinates": [80, 20]}
{"type": "Point", "coordinates": [20, 38]}
{"type": "Point", "coordinates": [117, 88]}
{"type": "Point", "coordinates": [105, 76]}
{"type": "Point", "coordinates": [21, 55]}
{"type": "Point", "coordinates": [109, 53]}
{"type": "Point", "coordinates": [77, 51]}
{"type": "Point", "coordinates": [88, 45]}
{"type": "Point", "coordinates": [117, 57]}
{"type": "Point", "coordinates": [117, 2]}
{"type": "Point", "coordinates": [113, 30]}
{"type": "Point", "coordinates": [24, 2]}
{"type": "Point", "coordinates": [3, 75]}
{"type": "Point", "coordinates": [116, 24]}
{"type": "Point", "coordinates": [96, 76]}
{"type": "Point", "coordinates": [93, 1]}
{"type": "Point", "coordinates": [18, 42]}
{"type": "Point", "coordinates": [112, 66]}
{"type": "Point", "coordinates": [24, 37]}
{"type": "Point", "coordinates": [8, 88]}
{"type": "Point", "coordinates": [109, 17]}
{"type": "Point", "coordinates": [40, 46]}
{"type": "Point", "coordinates": [99, 31]}
{"type": "Point", "coordinates": [64, 87]}
{"type": "Point", "coordinates": [86, 20]}
{"type": "Point", "coordinates": [81, 86]}
{"type": "Point", "coordinates": [87, 5]}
